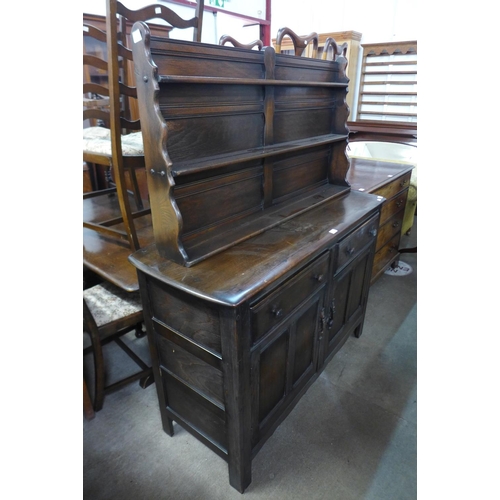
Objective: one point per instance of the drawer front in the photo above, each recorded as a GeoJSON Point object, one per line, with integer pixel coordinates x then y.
{"type": "Point", "coordinates": [385, 255]}
{"type": "Point", "coordinates": [277, 306]}
{"type": "Point", "coordinates": [393, 188]}
{"type": "Point", "coordinates": [393, 206]}
{"type": "Point", "coordinates": [350, 247]}
{"type": "Point", "coordinates": [389, 229]}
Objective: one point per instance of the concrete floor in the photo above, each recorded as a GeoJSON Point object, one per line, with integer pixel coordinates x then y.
{"type": "Point", "coordinates": [358, 442]}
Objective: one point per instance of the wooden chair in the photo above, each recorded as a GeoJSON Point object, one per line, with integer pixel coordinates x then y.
{"type": "Point", "coordinates": [335, 51]}
{"type": "Point", "coordinates": [95, 69]}
{"type": "Point", "coordinates": [95, 93]}
{"type": "Point", "coordinates": [300, 43]}
{"type": "Point", "coordinates": [108, 314]}
{"type": "Point", "coordinates": [225, 39]}
{"type": "Point", "coordinates": [119, 145]}
{"type": "Point", "coordinates": [88, 409]}
{"type": "Point", "coordinates": [111, 206]}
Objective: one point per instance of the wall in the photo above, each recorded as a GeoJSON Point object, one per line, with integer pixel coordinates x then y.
{"type": "Point", "coordinates": [214, 25]}
{"type": "Point", "coordinates": [378, 21]}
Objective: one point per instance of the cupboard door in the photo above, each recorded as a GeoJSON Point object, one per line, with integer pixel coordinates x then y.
{"type": "Point", "coordinates": [347, 300]}
{"type": "Point", "coordinates": [283, 363]}
{"type": "Point", "coordinates": [357, 287]}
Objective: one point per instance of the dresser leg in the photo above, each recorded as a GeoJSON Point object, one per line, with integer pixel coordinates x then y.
{"type": "Point", "coordinates": [358, 331]}
{"type": "Point", "coordinates": [236, 369]}
{"type": "Point", "coordinates": [240, 473]}
{"type": "Point", "coordinates": [168, 425]}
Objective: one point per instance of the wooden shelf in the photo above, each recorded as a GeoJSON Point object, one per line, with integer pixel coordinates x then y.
{"type": "Point", "coordinates": [205, 164]}
{"type": "Point", "coordinates": [212, 242]}
{"type": "Point", "coordinates": [246, 81]}
{"type": "Point", "coordinates": [238, 140]}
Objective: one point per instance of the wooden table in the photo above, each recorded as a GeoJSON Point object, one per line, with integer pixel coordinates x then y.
{"type": "Point", "coordinates": [107, 257]}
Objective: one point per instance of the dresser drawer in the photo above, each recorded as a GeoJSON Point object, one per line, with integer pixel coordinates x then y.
{"type": "Point", "coordinates": [385, 255]}
{"type": "Point", "coordinates": [393, 188]}
{"type": "Point", "coordinates": [389, 229]}
{"type": "Point", "coordinates": [393, 206]}
{"type": "Point", "coordinates": [273, 309]}
{"type": "Point", "coordinates": [353, 244]}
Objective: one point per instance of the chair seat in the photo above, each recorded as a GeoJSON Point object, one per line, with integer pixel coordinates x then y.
{"type": "Point", "coordinates": [96, 103]}
{"type": "Point", "coordinates": [108, 303]}
{"type": "Point", "coordinates": [97, 140]}
{"type": "Point", "coordinates": [109, 313]}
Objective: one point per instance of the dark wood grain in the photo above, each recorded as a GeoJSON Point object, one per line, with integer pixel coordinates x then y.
{"type": "Point", "coordinates": [260, 245]}
{"type": "Point", "coordinates": [225, 278]}
{"type": "Point", "coordinates": [267, 301]}
{"type": "Point", "coordinates": [206, 109]}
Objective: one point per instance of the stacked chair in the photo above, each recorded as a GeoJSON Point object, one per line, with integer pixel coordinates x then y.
{"type": "Point", "coordinates": [225, 39]}
{"type": "Point", "coordinates": [117, 145]}
{"type": "Point", "coordinates": [108, 314]}
{"type": "Point", "coordinates": [113, 140]}
{"type": "Point", "coordinates": [300, 43]}
{"type": "Point", "coordinates": [331, 50]}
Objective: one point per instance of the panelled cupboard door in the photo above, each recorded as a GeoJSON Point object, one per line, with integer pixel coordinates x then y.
{"type": "Point", "coordinates": [347, 299]}
{"type": "Point", "coordinates": [283, 362]}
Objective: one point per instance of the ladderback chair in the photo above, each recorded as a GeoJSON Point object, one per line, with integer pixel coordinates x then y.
{"type": "Point", "coordinates": [300, 43]}
{"type": "Point", "coordinates": [95, 94]}
{"type": "Point", "coordinates": [331, 47]}
{"type": "Point", "coordinates": [109, 313]}
{"type": "Point", "coordinates": [105, 209]}
{"type": "Point", "coordinates": [95, 70]}
{"type": "Point", "coordinates": [88, 408]}
{"type": "Point", "coordinates": [226, 39]}
{"type": "Point", "coordinates": [120, 146]}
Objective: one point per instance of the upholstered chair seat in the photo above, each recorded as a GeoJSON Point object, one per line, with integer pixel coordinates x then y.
{"type": "Point", "coordinates": [97, 140]}
{"type": "Point", "coordinates": [109, 304]}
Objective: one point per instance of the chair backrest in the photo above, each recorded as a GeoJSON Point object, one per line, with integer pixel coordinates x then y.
{"type": "Point", "coordinates": [225, 39]}
{"type": "Point", "coordinates": [98, 148]}
{"type": "Point", "coordinates": [299, 42]}
{"type": "Point", "coordinates": [336, 50]}
{"type": "Point", "coordinates": [95, 76]}
{"type": "Point", "coordinates": [119, 20]}
{"type": "Point", "coordinates": [122, 116]}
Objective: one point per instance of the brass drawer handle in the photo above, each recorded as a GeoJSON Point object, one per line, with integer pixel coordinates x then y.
{"type": "Point", "coordinates": [319, 277]}
{"type": "Point", "coordinates": [395, 224]}
{"type": "Point", "coordinates": [372, 232]}
{"type": "Point", "coordinates": [403, 183]}
{"type": "Point", "coordinates": [399, 203]}
{"type": "Point", "coordinates": [277, 311]}
{"type": "Point", "coordinates": [349, 251]}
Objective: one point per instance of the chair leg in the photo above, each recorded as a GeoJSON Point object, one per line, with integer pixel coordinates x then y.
{"type": "Point", "coordinates": [99, 369]}
{"type": "Point", "coordinates": [139, 333]}
{"type": "Point", "coordinates": [136, 192]}
{"type": "Point", "coordinates": [147, 380]}
{"type": "Point", "coordinates": [88, 410]}
{"type": "Point", "coordinates": [128, 221]}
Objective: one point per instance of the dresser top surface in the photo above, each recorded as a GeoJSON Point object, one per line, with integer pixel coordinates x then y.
{"type": "Point", "coordinates": [240, 272]}
{"type": "Point", "coordinates": [370, 175]}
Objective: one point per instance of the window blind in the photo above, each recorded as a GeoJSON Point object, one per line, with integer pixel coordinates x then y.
{"type": "Point", "coordinates": [388, 83]}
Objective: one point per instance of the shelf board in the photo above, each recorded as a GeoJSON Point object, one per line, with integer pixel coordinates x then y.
{"type": "Point", "coordinates": [223, 160]}
{"type": "Point", "coordinates": [247, 81]}
{"type": "Point", "coordinates": [223, 237]}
